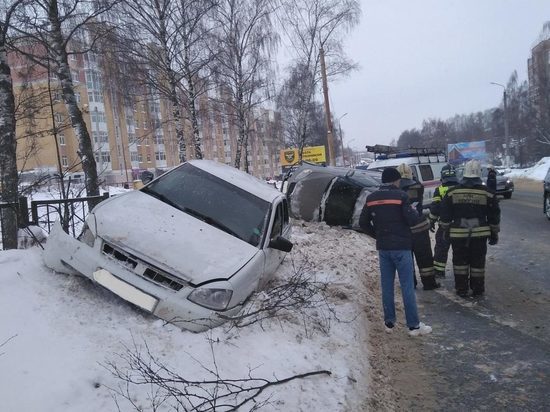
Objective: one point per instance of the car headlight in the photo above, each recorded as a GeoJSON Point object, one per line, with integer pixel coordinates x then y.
{"type": "Point", "coordinates": [87, 237]}
{"type": "Point", "coordinates": [216, 299]}
{"type": "Point", "coordinates": [88, 234]}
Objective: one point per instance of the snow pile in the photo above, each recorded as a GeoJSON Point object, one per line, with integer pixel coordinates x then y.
{"type": "Point", "coordinates": [58, 333]}
{"type": "Point", "coordinates": [537, 172]}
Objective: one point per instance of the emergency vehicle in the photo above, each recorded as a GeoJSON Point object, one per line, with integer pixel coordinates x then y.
{"type": "Point", "coordinates": [426, 165]}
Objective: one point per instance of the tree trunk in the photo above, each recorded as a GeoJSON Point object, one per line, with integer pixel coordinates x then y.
{"type": "Point", "coordinates": [63, 72]}
{"type": "Point", "coordinates": [192, 97]}
{"type": "Point", "coordinates": [8, 154]}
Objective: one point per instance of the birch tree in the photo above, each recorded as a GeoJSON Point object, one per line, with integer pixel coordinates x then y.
{"type": "Point", "coordinates": [245, 42]}
{"type": "Point", "coordinates": [168, 38]}
{"type": "Point", "coordinates": [57, 26]}
{"type": "Point", "coordinates": [8, 143]}
{"type": "Point", "coordinates": [309, 26]}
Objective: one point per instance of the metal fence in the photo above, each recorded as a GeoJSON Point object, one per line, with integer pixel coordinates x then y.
{"type": "Point", "coordinates": [44, 213]}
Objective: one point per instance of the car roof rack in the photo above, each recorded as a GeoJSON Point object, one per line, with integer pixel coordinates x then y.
{"type": "Point", "coordinates": [382, 152]}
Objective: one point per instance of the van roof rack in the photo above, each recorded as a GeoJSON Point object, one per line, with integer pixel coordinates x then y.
{"type": "Point", "coordinates": [382, 152]}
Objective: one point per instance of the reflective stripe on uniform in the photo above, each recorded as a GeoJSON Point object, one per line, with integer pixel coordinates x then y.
{"type": "Point", "coordinates": [477, 272]}
{"type": "Point", "coordinates": [385, 202]}
{"type": "Point", "coordinates": [461, 270]}
{"type": "Point", "coordinates": [459, 232]}
{"type": "Point", "coordinates": [440, 265]}
{"type": "Point", "coordinates": [429, 271]}
{"type": "Point", "coordinates": [470, 191]}
{"type": "Point", "coordinates": [469, 198]}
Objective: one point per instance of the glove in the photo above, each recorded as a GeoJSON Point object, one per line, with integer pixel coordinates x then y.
{"type": "Point", "coordinates": [493, 239]}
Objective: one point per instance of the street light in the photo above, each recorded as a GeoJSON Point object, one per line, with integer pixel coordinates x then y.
{"type": "Point", "coordinates": [506, 131]}
{"type": "Point", "coordinates": [341, 138]}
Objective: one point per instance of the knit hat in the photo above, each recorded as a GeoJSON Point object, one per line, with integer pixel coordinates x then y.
{"type": "Point", "coordinates": [390, 175]}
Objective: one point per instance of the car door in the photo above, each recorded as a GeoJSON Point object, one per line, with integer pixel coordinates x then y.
{"type": "Point", "coordinates": [279, 226]}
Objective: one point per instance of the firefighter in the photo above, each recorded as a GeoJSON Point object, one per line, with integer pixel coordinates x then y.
{"type": "Point", "coordinates": [469, 215]}
{"type": "Point", "coordinates": [422, 247]}
{"type": "Point", "coordinates": [442, 245]}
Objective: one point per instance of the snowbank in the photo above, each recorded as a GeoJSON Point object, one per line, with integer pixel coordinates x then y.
{"type": "Point", "coordinates": [58, 333]}
{"type": "Point", "coordinates": [537, 172]}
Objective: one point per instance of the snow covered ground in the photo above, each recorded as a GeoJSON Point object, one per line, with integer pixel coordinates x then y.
{"type": "Point", "coordinates": [537, 172]}
{"type": "Point", "coordinates": [60, 332]}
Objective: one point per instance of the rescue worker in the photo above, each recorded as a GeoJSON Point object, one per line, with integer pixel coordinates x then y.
{"type": "Point", "coordinates": [442, 245]}
{"type": "Point", "coordinates": [422, 247]}
{"type": "Point", "coordinates": [470, 215]}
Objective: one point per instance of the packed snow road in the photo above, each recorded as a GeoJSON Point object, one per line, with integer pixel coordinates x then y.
{"type": "Point", "coordinates": [492, 353]}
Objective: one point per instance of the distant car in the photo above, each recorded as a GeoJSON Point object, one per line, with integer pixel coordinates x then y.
{"type": "Point", "coordinates": [334, 195]}
{"type": "Point", "coordinates": [505, 185]}
{"type": "Point", "coordinates": [190, 247]}
{"type": "Point", "coordinates": [546, 204]}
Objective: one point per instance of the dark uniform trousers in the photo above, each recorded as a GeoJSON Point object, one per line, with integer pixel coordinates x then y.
{"type": "Point", "coordinates": [422, 250]}
{"type": "Point", "coordinates": [469, 264]}
{"type": "Point", "coordinates": [441, 252]}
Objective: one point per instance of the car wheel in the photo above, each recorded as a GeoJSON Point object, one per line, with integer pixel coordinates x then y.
{"type": "Point", "coordinates": [507, 195]}
{"type": "Point", "coordinates": [547, 205]}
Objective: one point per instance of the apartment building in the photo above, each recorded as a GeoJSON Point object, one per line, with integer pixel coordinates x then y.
{"type": "Point", "coordinates": [538, 66]}
{"type": "Point", "coordinates": [131, 132]}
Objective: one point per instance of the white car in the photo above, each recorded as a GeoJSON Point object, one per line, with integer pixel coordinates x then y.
{"type": "Point", "coordinates": [190, 246]}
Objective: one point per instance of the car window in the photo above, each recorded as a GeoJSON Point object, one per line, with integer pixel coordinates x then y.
{"type": "Point", "coordinates": [213, 200]}
{"type": "Point", "coordinates": [426, 172]}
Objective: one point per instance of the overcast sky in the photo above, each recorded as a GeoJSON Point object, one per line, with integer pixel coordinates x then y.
{"type": "Point", "coordinates": [431, 58]}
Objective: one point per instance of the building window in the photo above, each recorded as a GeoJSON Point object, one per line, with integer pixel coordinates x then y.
{"type": "Point", "coordinates": [75, 76]}
{"type": "Point", "coordinates": [98, 117]}
{"type": "Point", "coordinates": [160, 155]}
{"type": "Point", "coordinates": [58, 117]}
{"type": "Point", "coordinates": [64, 161]}
{"type": "Point", "coordinates": [57, 96]}
{"type": "Point", "coordinates": [100, 137]}
{"type": "Point", "coordinates": [61, 138]}
{"type": "Point", "coordinates": [148, 158]}
{"type": "Point", "coordinates": [106, 156]}
{"type": "Point", "coordinates": [77, 97]}
{"type": "Point", "coordinates": [134, 157]}
{"type": "Point", "coordinates": [140, 157]}
{"type": "Point", "coordinates": [159, 139]}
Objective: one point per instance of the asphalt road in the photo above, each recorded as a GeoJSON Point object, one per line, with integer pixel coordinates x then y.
{"type": "Point", "coordinates": [493, 353]}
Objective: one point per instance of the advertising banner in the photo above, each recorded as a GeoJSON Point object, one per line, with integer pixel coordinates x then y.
{"type": "Point", "coordinates": [458, 153]}
{"type": "Point", "coordinates": [313, 154]}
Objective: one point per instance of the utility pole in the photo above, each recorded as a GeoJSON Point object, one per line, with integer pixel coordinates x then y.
{"type": "Point", "coordinates": [506, 129]}
{"type": "Point", "coordinates": [341, 138]}
{"type": "Point", "coordinates": [330, 136]}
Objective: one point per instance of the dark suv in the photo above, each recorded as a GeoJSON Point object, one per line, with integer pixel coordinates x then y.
{"type": "Point", "coordinates": [546, 205]}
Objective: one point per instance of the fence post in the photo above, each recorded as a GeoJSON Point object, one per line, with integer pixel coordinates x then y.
{"type": "Point", "coordinates": [23, 212]}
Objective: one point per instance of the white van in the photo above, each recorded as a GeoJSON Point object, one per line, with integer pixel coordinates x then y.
{"type": "Point", "coordinates": [426, 165]}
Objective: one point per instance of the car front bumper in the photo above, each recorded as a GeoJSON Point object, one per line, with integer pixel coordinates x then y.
{"type": "Point", "coordinates": [65, 254]}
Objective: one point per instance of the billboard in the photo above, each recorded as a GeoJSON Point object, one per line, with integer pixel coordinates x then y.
{"type": "Point", "coordinates": [458, 153]}
{"type": "Point", "coordinates": [313, 154]}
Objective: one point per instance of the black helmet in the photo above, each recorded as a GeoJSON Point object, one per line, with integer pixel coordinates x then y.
{"type": "Point", "coordinates": [448, 174]}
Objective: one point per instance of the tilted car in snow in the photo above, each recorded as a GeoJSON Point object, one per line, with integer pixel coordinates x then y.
{"type": "Point", "coordinates": [334, 195]}
{"type": "Point", "coordinates": [546, 204]}
{"type": "Point", "coordinates": [190, 247]}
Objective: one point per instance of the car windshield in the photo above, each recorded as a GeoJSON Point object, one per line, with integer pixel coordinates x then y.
{"type": "Point", "coordinates": [214, 201]}
{"type": "Point", "coordinates": [364, 179]}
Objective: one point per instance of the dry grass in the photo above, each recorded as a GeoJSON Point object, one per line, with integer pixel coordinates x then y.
{"type": "Point", "coordinates": [528, 185]}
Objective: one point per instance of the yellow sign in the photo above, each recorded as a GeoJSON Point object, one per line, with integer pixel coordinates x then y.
{"type": "Point", "coordinates": [313, 154]}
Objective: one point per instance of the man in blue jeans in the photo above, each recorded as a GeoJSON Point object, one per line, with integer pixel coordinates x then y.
{"type": "Point", "coordinates": [388, 216]}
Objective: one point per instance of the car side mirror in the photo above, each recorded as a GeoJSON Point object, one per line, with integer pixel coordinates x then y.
{"type": "Point", "coordinates": [280, 243]}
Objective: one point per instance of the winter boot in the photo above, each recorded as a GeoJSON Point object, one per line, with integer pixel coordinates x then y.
{"type": "Point", "coordinates": [429, 282]}
{"type": "Point", "coordinates": [477, 284]}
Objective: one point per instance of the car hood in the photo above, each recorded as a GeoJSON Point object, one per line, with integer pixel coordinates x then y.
{"type": "Point", "coordinates": [170, 239]}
